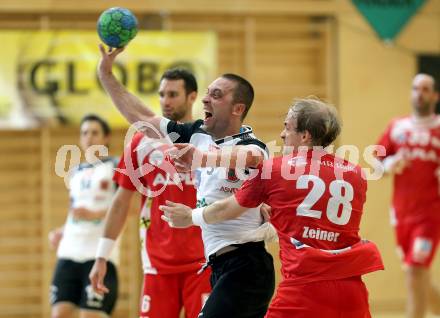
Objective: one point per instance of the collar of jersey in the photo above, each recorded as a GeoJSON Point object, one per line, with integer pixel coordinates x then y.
{"type": "Point", "coordinates": [244, 130]}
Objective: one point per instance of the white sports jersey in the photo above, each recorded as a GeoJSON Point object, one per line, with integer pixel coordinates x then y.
{"type": "Point", "coordinates": [91, 187]}
{"type": "Point", "coordinates": [214, 184]}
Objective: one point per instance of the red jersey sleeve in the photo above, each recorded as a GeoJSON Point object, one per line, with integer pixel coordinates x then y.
{"type": "Point", "coordinates": [252, 193]}
{"type": "Point", "coordinates": [386, 142]}
{"type": "Point", "coordinates": [122, 173]}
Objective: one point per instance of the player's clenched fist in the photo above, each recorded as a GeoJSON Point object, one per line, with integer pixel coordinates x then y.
{"type": "Point", "coordinates": [97, 275]}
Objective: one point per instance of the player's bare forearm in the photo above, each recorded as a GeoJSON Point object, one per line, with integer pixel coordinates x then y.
{"type": "Point", "coordinates": [237, 157]}
{"type": "Point", "coordinates": [181, 216]}
{"type": "Point", "coordinates": [190, 158]}
{"type": "Point", "coordinates": [226, 209]}
{"type": "Point", "coordinates": [117, 214]}
{"type": "Point", "coordinates": [128, 104]}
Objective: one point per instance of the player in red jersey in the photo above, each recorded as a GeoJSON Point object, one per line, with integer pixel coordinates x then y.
{"type": "Point", "coordinates": [170, 257]}
{"type": "Point", "coordinates": [412, 155]}
{"type": "Point", "coordinates": [317, 202]}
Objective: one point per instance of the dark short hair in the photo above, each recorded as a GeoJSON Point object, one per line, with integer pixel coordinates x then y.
{"type": "Point", "coordinates": [243, 93]}
{"type": "Point", "coordinates": [104, 125]}
{"type": "Point", "coordinates": [188, 78]}
{"type": "Point", "coordinates": [318, 118]}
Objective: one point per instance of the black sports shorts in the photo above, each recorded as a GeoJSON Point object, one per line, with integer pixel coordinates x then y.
{"type": "Point", "coordinates": [71, 284]}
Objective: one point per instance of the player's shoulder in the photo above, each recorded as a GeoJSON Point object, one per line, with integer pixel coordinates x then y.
{"type": "Point", "coordinates": [346, 167]}
{"type": "Point", "coordinates": [143, 145]}
{"type": "Point", "coordinates": [77, 168]}
{"type": "Point", "coordinates": [274, 165]}
{"type": "Point", "coordinates": [401, 121]}
{"type": "Point", "coordinates": [398, 126]}
{"type": "Point", "coordinates": [436, 121]}
{"type": "Point", "coordinates": [188, 127]}
{"type": "Point", "coordinates": [246, 137]}
{"type": "Point", "coordinates": [111, 160]}
{"type": "Point", "coordinates": [196, 125]}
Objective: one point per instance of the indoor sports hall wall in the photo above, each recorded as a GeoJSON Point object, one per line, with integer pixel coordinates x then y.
{"type": "Point", "coordinates": [34, 200]}
{"type": "Point", "coordinates": [287, 48]}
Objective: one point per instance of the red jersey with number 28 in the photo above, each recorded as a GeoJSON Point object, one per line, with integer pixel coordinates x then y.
{"type": "Point", "coordinates": [317, 201]}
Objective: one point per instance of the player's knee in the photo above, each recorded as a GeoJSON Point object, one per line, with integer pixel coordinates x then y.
{"type": "Point", "coordinates": [92, 314]}
{"type": "Point", "coordinates": [62, 311]}
{"type": "Point", "coordinates": [417, 275]}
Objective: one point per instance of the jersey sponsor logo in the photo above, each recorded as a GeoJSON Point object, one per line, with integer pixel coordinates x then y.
{"type": "Point", "coordinates": [338, 165]}
{"type": "Point", "coordinates": [177, 178]}
{"type": "Point", "coordinates": [319, 234]}
{"type": "Point", "coordinates": [422, 138]}
{"type": "Point", "coordinates": [228, 189]}
{"type": "Point", "coordinates": [419, 138]}
{"type": "Point", "coordinates": [297, 161]}
{"type": "Point", "coordinates": [422, 154]}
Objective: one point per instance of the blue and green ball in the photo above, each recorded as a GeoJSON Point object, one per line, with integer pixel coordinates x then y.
{"type": "Point", "coordinates": [117, 26]}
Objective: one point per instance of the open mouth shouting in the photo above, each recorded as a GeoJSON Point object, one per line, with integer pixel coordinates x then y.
{"type": "Point", "coordinates": [208, 117]}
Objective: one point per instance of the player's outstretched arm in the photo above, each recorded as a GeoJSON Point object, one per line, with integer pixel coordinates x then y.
{"type": "Point", "coordinates": [114, 222]}
{"type": "Point", "coordinates": [128, 105]}
{"type": "Point", "coordinates": [179, 215]}
{"type": "Point", "coordinates": [219, 211]}
{"type": "Point", "coordinates": [188, 157]}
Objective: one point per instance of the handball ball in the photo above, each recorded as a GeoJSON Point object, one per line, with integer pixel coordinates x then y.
{"type": "Point", "coordinates": [117, 26]}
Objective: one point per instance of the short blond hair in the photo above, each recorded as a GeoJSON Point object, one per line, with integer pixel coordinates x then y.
{"type": "Point", "coordinates": [318, 118]}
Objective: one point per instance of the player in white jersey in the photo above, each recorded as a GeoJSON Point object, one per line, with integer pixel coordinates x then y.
{"type": "Point", "coordinates": [242, 270]}
{"type": "Point", "coordinates": [91, 191]}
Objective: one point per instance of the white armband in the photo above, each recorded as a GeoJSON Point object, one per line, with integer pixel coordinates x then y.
{"type": "Point", "coordinates": [105, 247]}
{"type": "Point", "coordinates": [197, 217]}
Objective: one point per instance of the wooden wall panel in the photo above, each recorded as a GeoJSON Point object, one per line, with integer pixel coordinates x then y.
{"type": "Point", "coordinates": [20, 218]}
{"type": "Point", "coordinates": [34, 200]}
